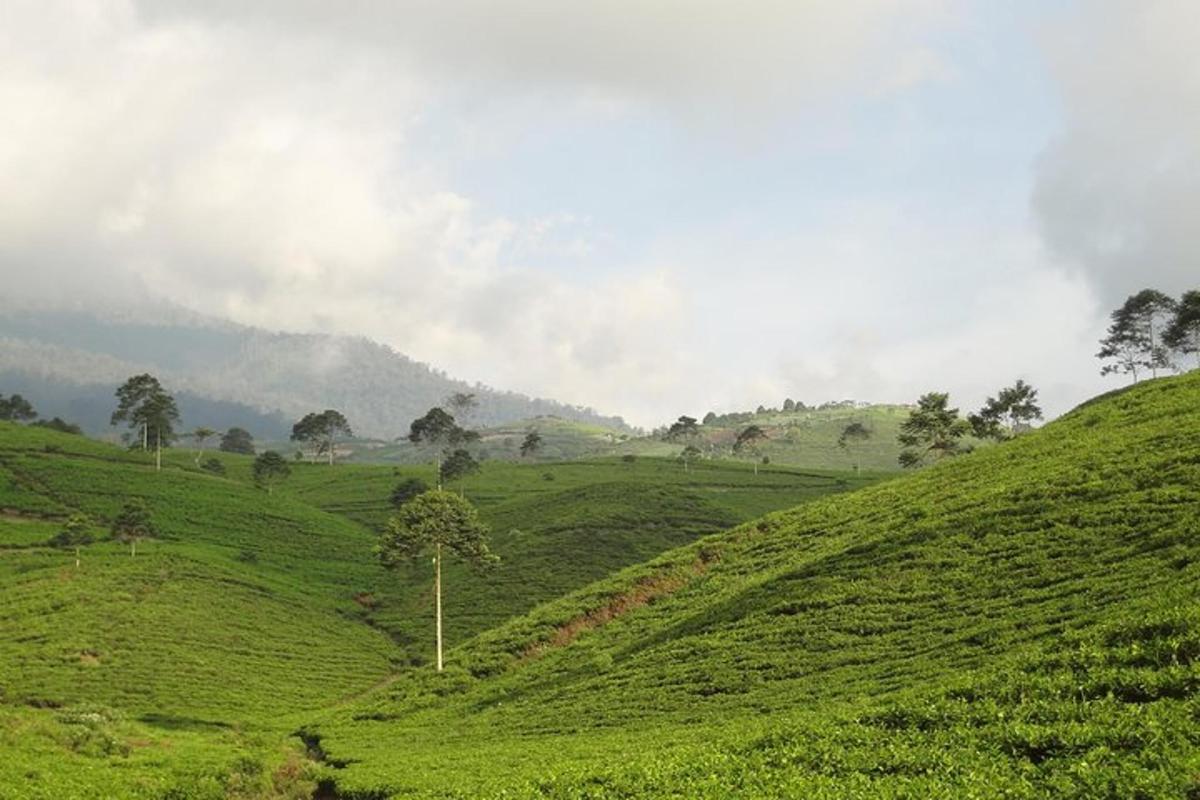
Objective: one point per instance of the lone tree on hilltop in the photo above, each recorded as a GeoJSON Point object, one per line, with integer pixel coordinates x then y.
{"type": "Point", "coordinates": [200, 436]}
{"type": "Point", "coordinates": [1008, 413]}
{"type": "Point", "coordinates": [322, 430]}
{"type": "Point", "coordinates": [748, 441]}
{"type": "Point", "coordinates": [269, 469]}
{"type": "Point", "coordinates": [789, 405]}
{"type": "Point", "coordinates": [438, 428]}
{"type": "Point", "coordinates": [75, 533]}
{"type": "Point", "coordinates": [16, 409]}
{"type": "Point", "coordinates": [237, 440]}
{"type": "Point", "coordinates": [531, 444]}
{"type": "Point", "coordinates": [144, 405]}
{"type": "Point", "coordinates": [435, 521]}
{"type": "Point", "coordinates": [1183, 334]}
{"type": "Point", "coordinates": [854, 434]}
{"type": "Point", "coordinates": [133, 524]}
{"type": "Point", "coordinates": [406, 490]}
{"type": "Point", "coordinates": [1135, 337]}
{"type": "Point", "coordinates": [932, 431]}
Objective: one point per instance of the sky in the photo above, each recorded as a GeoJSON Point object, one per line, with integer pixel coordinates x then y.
{"type": "Point", "coordinates": [651, 207]}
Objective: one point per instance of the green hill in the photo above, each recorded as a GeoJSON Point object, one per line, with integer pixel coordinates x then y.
{"type": "Point", "coordinates": [184, 670]}
{"type": "Point", "coordinates": [1020, 622]}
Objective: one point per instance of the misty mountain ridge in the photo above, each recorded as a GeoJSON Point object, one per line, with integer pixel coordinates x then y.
{"type": "Point", "coordinates": [69, 360]}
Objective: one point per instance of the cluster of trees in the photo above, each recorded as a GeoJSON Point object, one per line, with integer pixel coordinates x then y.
{"type": "Point", "coordinates": [130, 526]}
{"type": "Point", "coordinates": [16, 408]}
{"type": "Point", "coordinates": [1148, 331]}
{"type": "Point", "coordinates": [934, 430]}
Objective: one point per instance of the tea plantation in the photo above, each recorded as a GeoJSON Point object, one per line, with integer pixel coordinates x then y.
{"type": "Point", "coordinates": [1020, 622]}
{"type": "Point", "coordinates": [186, 670]}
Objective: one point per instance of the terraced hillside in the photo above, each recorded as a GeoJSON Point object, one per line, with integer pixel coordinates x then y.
{"type": "Point", "coordinates": [187, 668]}
{"type": "Point", "coordinates": [1020, 622]}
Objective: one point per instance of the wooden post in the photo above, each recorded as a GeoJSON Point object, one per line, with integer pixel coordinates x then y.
{"type": "Point", "coordinates": [437, 588]}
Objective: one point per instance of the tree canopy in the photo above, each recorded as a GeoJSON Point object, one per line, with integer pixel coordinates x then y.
{"type": "Point", "coordinates": [1008, 413]}
{"type": "Point", "coordinates": [406, 490]}
{"type": "Point", "coordinates": [683, 428]}
{"type": "Point", "coordinates": [459, 464]}
{"type": "Point", "coordinates": [133, 524]}
{"type": "Point", "coordinates": [1183, 333]}
{"type": "Point", "coordinates": [531, 444]}
{"type": "Point", "coordinates": [144, 405]}
{"type": "Point", "coordinates": [16, 408]}
{"type": "Point", "coordinates": [1134, 342]}
{"type": "Point", "coordinates": [933, 430]}
{"type": "Point", "coordinates": [237, 440]}
{"type": "Point", "coordinates": [269, 469]}
{"type": "Point", "coordinates": [322, 429]}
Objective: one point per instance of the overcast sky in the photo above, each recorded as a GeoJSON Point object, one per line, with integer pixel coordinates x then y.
{"type": "Point", "coordinates": [648, 206]}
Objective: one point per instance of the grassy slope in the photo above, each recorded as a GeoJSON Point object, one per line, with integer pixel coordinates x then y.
{"type": "Point", "coordinates": [188, 666]}
{"type": "Point", "coordinates": [556, 527]}
{"type": "Point", "coordinates": [807, 438]}
{"type": "Point", "coordinates": [1020, 622]}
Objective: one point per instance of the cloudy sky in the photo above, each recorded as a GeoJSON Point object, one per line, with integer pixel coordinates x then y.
{"type": "Point", "coordinates": [647, 206]}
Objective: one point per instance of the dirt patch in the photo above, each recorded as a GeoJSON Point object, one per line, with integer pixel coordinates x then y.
{"type": "Point", "coordinates": [89, 658]}
{"type": "Point", "coordinates": [366, 600]}
{"type": "Point", "coordinates": [642, 593]}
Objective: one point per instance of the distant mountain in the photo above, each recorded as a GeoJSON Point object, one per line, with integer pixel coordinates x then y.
{"type": "Point", "coordinates": [69, 362]}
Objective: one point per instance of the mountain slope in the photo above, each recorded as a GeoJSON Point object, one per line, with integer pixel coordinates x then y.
{"type": "Point", "coordinates": [1022, 621]}
{"type": "Point", "coordinates": [381, 391]}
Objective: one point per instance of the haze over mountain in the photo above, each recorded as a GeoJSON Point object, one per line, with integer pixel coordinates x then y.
{"type": "Point", "coordinates": [68, 362]}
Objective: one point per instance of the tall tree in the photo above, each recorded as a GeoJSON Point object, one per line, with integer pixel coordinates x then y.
{"type": "Point", "coordinates": [933, 430]}
{"type": "Point", "coordinates": [438, 428]}
{"type": "Point", "coordinates": [16, 409]}
{"type": "Point", "coordinates": [1183, 334]}
{"type": "Point", "coordinates": [789, 405]}
{"type": "Point", "coordinates": [76, 532]}
{"type": "Point", "coordinates": [854, 434]}
{"type": "Point", "coordinates": [1008, 413]}
{"type": "Point", "coordinates": [531, 444]}
{"type": "Point", "coordinates": [686, 430]}
{"type": "Point", "coordinates": [237, 440]}
{"type": "Point", "coordinates": [133, 524]}
{"type": "Point", "coordinates": [200, 436]}
{"type": "Point", "coordinates": [1134, 341]}
{"type": "Point", "coordinates": [435, 521]}
{"type": "Point", "coordinates": [748, 441]}
{"type": "Point", "coordinates": [145, 406]}
{"type": "Point", "coordinates": [322, 430]}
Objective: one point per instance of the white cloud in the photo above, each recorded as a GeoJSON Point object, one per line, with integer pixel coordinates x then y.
{"type": "Point", "coordinates": [1118, 190]}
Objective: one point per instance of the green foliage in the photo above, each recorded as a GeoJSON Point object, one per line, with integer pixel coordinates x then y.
{"type": "Point", "coordinates": [437, 518]}
{"type": "Point", "coordinates": [59, 424]}
{"type": "Point", "coordinates": [406, 490]}
{"type": "Point", "coordinates": [1183, 334]}
{"type": "Point", "coordinates": [133, 524]}
{"type": "Point", "coordinates": [237, 440]}
{"type": "Point", "coordinates": [213, 466]}
{"type": "Point", "coordinates": [322, 430]}
{"type": "Point", "coordinates": [269, 469]}
{"type": "Point", "coordinates": [458, 465]}
{"type": "Point", "coordinates": [683, 428]}
{"type": "Point", "coordinates": [145, 406]}
{"type": "Point", "coordinates": [932, 431]}
{"type": "Point", "coordinates": [749, 438]}
{"type": "Point", "coordinates": [1134, 341]}
{"type": "Point", "coordinates": [1004, 416]}
{"type": "Point", "coordinates": [531, 443]}
{"type": "Point", "coordinates": [16, 409]}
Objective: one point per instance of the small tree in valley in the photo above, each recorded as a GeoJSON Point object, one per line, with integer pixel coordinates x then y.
{"type": "Point", "coordinates": [748, 441]}
{"type": "Point", "coordinates": [75, 533]}
{"type": "Point", "coordinates": [438, 428]}
{"type": "Point", "coordinates": [531, 444]}
{"type": "Point", "coordinates": [269, 469]}
{"type": "Point", "coordinates": [133, 524]}
{"type": "Point", "coordinates": [436, 522]}
{"type": "Point", "coordinates": [853, 435]}
{"type": "Point", "coordinates": [200, 436]}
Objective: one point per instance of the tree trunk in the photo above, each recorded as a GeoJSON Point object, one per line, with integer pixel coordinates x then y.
{"type": "Point", "coordinates": [755, 467]}
{"type": "Point", "coordinates": [331, 451]}
{"type": "Point", "coordinates": [145, 436]}
{"type": "Point", "coordinates": [76, 557]}
{"type": "Point", "coordinates": [437, 590]}
{"type": "Point", "coordinates": [439, 471]}
{"type": "Point", "coordinates": [133, 547]}
{"type": "Point", "coordinates": [158, 450]}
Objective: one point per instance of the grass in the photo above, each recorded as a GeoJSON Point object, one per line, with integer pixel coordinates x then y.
{"type": "Point", "coordinates": [184, 671]}
{"type": "Point", "coordinates": [1020, 622]}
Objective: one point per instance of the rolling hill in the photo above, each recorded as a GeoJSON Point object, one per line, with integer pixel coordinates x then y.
{"type": "Point", "coordinates": [183, 671]}
{"type": "Point", "coordinates": [1019, 622]}
{"type": "Point", "coordinates": [68, 362]}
